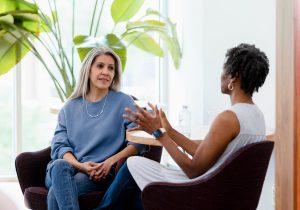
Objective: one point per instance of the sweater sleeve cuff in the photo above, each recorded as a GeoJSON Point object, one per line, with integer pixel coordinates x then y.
{"type": "Point", "coordinates": [63, 151]}
{"type": "Point", "coordinates": [141, 148]}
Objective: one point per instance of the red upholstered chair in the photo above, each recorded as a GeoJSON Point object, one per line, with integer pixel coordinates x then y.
{"type": "Point", "coordinates": [31, 172]}
{"type": "Point", "coordinates": [236, 185]}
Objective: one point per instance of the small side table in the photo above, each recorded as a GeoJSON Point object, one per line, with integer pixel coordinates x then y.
{"type": "Point", "coordinates": [141, 137]}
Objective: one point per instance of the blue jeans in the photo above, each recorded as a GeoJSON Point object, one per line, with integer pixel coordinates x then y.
{"type": "Point", "coordinates": [123, 193]}
{"type": "Point", "coordinates": [65, 184]}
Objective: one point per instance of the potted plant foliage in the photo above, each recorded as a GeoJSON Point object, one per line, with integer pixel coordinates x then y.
{"type": "Point", "coordinates": [23, 22]}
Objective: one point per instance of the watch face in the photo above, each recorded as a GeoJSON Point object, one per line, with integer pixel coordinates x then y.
{"type": "Point", "coordinates": [158, 133]}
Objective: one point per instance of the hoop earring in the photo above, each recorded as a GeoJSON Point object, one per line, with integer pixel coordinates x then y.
{"type": "Point", "coordinates": [230, 85]}
{"type": "Point", "coordinates": [112, 84]}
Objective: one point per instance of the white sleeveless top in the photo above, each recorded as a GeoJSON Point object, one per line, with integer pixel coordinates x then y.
{"type": "Point", "coordinates": [252, 129]}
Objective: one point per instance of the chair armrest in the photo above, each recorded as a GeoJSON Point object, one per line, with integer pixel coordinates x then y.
{"type": "Point", "coordinates": [164, 195]}
{"type": "Point", "coordinates": [154, 153]}
{"type": "Point", "coordinates": [119, 164]}
{"type": "Point", "coordinates": [31, 168]}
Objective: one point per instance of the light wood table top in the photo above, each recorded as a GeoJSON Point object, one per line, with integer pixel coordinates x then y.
{"type": "Point", "coordinates": [141, 137]}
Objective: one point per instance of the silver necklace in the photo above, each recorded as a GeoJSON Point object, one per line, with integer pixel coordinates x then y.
{"type": "Point", "coordinates": [97, 115]}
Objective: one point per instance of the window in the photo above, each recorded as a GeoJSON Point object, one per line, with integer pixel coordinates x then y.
{"type": "Point", "coordinates": [6, 122]}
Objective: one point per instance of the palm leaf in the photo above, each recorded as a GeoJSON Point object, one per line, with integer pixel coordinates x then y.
{"type": "Point", "coordinates": [124, 10]}
{"type": "Point", "coordinates": [145, 42]}
{"type": "Point", "coordinates": [11, 51]}
{"type": "Point", "coordinates": [85, 43]}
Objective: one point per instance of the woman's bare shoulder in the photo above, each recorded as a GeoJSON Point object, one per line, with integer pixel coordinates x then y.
{"type": "Point", "coordinates": [226, 123]}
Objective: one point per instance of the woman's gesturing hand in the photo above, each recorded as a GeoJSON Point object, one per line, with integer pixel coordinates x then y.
{"type": "Point", "coordinates": [148, 121]}
{"type": "Point", "coordinates": [164, 121]}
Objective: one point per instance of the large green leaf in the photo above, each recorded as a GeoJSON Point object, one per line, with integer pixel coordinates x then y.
{"type": "Point", "coordinates": [7, 6]}
{"type": "Point", "coordinates": [2, 33]}
{"type": "Point", "coordinates": [32, 26]}
{"type": "Point", "coordinates": [22, 16]}
{"type": "Point", "coordinates": [32, 22]}
{"type": "Point", "coordinates": [171, 44]}
{"type": "Point", "coordinates": [45, 23]}
{"type": "Point", "coordinates": [173, 48]}
{"type": "Point", "coordinates": [79, 39]}
{"type": "Point", "coordinates": [6, 26]}
{"type": "Point", "coordinates": [54, 16]}
{"type": "Point", "coordinates": [124, 10]}
{"type": "Point", "coordinates": [85, 44]}
{"type": "Point", "coordinates": [145, 24]}
{"type": "Point", "coordinates": [6, 19]}
{"type": "Point", "coordinates": [153, 12]}
{"type": "Point", "coordinates": [26, 6]}
{"type": "Point", "coordinates": [11, 51]}
{"type": "Point", "coordinates": [170, 24]}
{"type": "Point", "coordinates": [118, 47]}
{"type": "Point", "coordinates": [83, 51]}
{"type": "Point", "coordinates": [169, 37]}
{"type": "Point", "coordinates": [145, 42]}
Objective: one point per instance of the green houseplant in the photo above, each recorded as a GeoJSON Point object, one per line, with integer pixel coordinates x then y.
{"type": "Point", "coordinates": [25, 27]}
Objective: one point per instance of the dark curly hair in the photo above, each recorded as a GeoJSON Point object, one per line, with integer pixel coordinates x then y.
{"type": "Point", "coordinates": [249, 64]}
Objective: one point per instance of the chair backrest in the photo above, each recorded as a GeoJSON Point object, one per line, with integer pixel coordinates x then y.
{"type": "Point", "coordinates": [237, 184]}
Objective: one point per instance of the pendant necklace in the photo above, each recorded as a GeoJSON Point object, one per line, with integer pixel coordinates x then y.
{"type": "Point", "coordinates": [97, 115]}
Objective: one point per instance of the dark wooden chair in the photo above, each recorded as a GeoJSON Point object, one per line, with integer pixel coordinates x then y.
{"type": "Point", "coordinates": [236, 185]}
{"type": "Point", "coordinates": [31, 172]}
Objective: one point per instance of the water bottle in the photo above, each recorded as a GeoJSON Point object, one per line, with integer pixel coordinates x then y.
{"type": "Point", "coordinates": [185, 121]}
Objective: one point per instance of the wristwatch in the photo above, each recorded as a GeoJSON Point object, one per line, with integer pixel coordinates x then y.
{"type": "Point", "coordinates": [158, 133]}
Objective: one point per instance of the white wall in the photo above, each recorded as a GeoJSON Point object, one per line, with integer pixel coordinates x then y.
{"type": "Point", "coordinates": [226, 24]}
{"type": "Point", "coordinates": [207, 28]}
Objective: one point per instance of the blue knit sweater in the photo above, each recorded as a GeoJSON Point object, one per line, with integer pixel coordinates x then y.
{"type": "Point", "coordinates": [93, 139]}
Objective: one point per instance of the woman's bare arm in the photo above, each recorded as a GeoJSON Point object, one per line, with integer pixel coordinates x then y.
{"type": "Point", "coordinates": [223, 130]}
{"type": "Point", "coordinates": [182, 141]}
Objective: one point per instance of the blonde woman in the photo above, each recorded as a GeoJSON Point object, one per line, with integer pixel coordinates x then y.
{"type": "Point", "coordinates": [90, 134]}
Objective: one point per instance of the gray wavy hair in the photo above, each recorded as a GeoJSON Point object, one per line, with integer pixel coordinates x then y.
{"type": "Point", "coordinates": [82, 88]}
